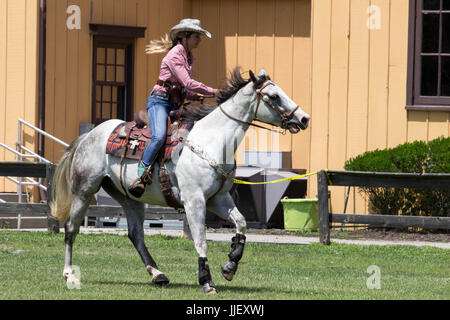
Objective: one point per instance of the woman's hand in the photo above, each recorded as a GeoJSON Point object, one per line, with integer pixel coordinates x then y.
{"type": "Point", "coordinates": [199, 97]}
{"type": "Point", "coordinates": [216, 92]}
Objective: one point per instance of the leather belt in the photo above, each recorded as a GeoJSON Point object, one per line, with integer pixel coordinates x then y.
{"type": "Point", "coordinates": [164, 83]}
{"type": "Point", "coordinates": [160, 93]}
{"type": "Point", "coordinates": [175, 92]}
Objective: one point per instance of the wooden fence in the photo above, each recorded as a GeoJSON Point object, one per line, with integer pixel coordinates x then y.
{"type": "Point", "coordinates": [42, 170]}
{"type": "Point", "coordinates": [377, 180]}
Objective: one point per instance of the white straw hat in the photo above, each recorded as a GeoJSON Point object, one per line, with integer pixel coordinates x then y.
{"type": "Point", "coordinates": [188, 25]}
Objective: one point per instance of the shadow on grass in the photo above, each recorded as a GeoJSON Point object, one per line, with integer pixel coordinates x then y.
{"type": "Point", "coordinates": [121, 283]}
{"type": "Point", "coordinates": [223, 289]}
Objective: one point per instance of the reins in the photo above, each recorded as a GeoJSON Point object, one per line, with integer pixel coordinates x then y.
{"type": "Point", "coordinates": [249, 123]}
{"type": "Point", "coordinates": [285, 117]}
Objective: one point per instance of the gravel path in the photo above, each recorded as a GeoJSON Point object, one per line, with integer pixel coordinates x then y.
{"type": "Point", "coordinates": [255, 236]}
{"type": "Point", "coordinates": [270, 238]}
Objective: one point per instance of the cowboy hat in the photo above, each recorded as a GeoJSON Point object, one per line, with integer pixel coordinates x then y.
{"type": "Point", "coordinates": [188, 25]}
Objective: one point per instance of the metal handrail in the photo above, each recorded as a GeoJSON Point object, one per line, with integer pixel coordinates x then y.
{"type": "Point", "coordinates": [30, 183]}
{"type": "Point", "coordinates": [48, 135]}
{"type": "Point", "coordinates": [31, 155]}
{"type": "Point", "coordinates": [35, 155]}
{"type": "Point", "coordinates": [23, 155]}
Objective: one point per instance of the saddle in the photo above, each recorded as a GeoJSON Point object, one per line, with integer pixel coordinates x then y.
{"type": "Point", "coordinates": [130, 139]}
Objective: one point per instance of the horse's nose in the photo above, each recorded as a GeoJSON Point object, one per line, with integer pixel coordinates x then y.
{"type": "Point", "coordinates": [305, 121]}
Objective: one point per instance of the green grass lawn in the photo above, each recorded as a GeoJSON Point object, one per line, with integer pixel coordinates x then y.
{"type": "Point", "coordinates": [31, 267]}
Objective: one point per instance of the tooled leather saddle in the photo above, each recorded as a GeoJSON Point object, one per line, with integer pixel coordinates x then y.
{"type": "Point", "coordinates": [130, 139]}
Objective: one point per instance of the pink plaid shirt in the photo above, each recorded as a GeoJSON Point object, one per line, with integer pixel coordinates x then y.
{"type": "Point", "coordinates": [178, 67]}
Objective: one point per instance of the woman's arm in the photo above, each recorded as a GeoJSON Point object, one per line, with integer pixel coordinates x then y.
{"type": "Point", "coordinates": [179, 70]}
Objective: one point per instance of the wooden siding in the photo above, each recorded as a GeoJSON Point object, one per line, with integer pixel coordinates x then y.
{"type": "Point", "coordinates": [351, 80]}
{"type": "Point", "coordinates": [359, 88]}
{"type": "Point", "coordinates": [275, 36]}
{"type": "Point", "coordinates": [69, 58]}
{"type": "Point", "coordinates": [19, 28]}
{"type": "Point", "coordinates": [255, 34]}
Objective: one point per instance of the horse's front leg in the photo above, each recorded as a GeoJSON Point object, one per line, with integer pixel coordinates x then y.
{"type": "Point", "coordinates": [224, 207]}
{"type": "Point", "coordinates": [195, 214]}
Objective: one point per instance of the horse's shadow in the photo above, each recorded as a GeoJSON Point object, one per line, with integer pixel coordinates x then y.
{"type": "Point", "coordinates": [177, 286]}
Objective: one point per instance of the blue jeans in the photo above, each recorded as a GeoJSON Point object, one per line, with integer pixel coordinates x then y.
{"type": "Point", "coordinates": [158, 109]}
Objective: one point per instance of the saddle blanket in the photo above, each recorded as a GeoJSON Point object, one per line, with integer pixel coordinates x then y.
{"type": "Point", "coordinates": [139, 139]}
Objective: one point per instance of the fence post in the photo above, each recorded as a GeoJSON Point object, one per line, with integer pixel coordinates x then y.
{"type": "Point", "coordinates": [324, 216]}
{"type": "Point", "coordinates": [53, 224]}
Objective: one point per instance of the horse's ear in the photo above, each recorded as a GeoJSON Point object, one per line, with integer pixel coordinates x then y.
{"type": "Point", "coordinates": [252, 76]}
{"type": "Point", "coordinates": [262, 73]}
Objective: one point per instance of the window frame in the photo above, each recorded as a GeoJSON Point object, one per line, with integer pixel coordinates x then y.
{"type": "Point", "coordinates": [116, 36]}
{"type": "Point", "coordinates": [415, 101]}
{"type": "Point", "coordinates": [117, 43]}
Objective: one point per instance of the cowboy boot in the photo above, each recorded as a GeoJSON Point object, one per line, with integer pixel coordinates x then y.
{"type": "Point", "coordinates": [137, 187]}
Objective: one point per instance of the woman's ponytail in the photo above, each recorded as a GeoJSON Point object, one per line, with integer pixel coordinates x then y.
{"type": "Point", "coordinates": [159, 46]}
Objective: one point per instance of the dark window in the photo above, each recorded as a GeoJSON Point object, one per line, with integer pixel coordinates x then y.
{"type": "Point", "coordinates": [112, 79]}
{"type": "Point", "coordinates": [429, 54]}
{"type": "Point", "coordinates": [112, 71]}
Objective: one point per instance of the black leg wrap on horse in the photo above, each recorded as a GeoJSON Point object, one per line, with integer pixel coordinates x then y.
{"type": "Point", "coordinates": [204, 274]}
{"type": "Point", "coordinates": [237, 248]}
{"type": "Point", "coordinates": [230, 267]}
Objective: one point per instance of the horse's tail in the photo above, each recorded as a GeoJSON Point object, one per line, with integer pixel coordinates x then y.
{"type": "Point", "coordinates": [61, 188]}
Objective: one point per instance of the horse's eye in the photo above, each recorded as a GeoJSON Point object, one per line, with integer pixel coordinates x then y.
{"type": "Point", "coordinates": [275, 97]}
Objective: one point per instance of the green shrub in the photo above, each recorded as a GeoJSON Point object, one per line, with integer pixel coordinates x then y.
{"type": "Point", "coordinates": [439, 156]}
{"type": "Point", "coordinates": [415, 157]}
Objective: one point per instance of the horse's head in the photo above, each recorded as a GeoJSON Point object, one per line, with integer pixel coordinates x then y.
{"type": "Point", "coordinates": [274, 107]}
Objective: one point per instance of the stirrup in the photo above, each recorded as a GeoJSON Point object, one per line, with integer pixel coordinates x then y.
{"type": "Point", "coordinates": [137, 187]}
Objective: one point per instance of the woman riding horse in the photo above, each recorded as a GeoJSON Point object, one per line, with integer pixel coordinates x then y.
{"type": "Point", "coordinates": [199, 176]}
{"type": "Point", "coordinates": [174, 84]}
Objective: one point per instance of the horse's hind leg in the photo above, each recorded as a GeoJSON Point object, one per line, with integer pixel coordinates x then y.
{"type": "Point", "coordinates": [224, 207]}
{"type": "Point", "coordinates": [135, 219]}
{"type": "Point", "coordinates": [72, 228]}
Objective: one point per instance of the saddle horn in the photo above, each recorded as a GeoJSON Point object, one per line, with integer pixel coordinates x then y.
{"type": "Point", "coordinates": [141, 119]}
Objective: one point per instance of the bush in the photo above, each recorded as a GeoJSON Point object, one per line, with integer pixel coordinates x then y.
{"type": "Point", "coordinates": [415, 157]}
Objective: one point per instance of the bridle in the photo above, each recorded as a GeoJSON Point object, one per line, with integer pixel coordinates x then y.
{"type": "Point", "coordinates": [285, 117]}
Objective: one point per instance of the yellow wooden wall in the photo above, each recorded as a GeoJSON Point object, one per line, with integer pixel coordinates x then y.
{"type": "Point", "coordinates": [18, 74]}
{"type": "Point", "coordinates": [359, 88]}
{"type": "Point", "coordinates": [352, 80]}
{"type": "Point", "coordinates": [69, 58]}
{"type": "Point", "coordinates": [247, 33]}
{"type": "Point", "coordinates": [255, 34]}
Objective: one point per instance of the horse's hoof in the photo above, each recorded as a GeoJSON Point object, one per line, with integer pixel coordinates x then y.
{"type": "Point", "coordinates": [209, 288]}
{"type": "Point", "coordinates": [228, 270]}
{"type": "Point", "coordinates": [228, 275]}
{"type": "Point", "coordinates": [160, 279]}
{"type": "Point", "coordinates": [72, 282]}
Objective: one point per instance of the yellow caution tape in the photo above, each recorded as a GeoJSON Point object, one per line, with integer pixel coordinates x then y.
{"type": "Point", "coordinates": [276, 181]}
{"type": "Point", "coordinates": [330, 183]}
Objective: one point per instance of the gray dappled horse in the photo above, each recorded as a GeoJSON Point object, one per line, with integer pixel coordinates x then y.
{"type": "Point", "coordinates": [200, 176]}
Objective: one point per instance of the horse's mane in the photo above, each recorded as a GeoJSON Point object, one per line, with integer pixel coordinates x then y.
{"type": "Point", "coordinates": [233, 84]}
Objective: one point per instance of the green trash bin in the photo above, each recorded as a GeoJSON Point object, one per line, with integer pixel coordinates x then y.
{"type": "Point", "coordinates": [300, 214]}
